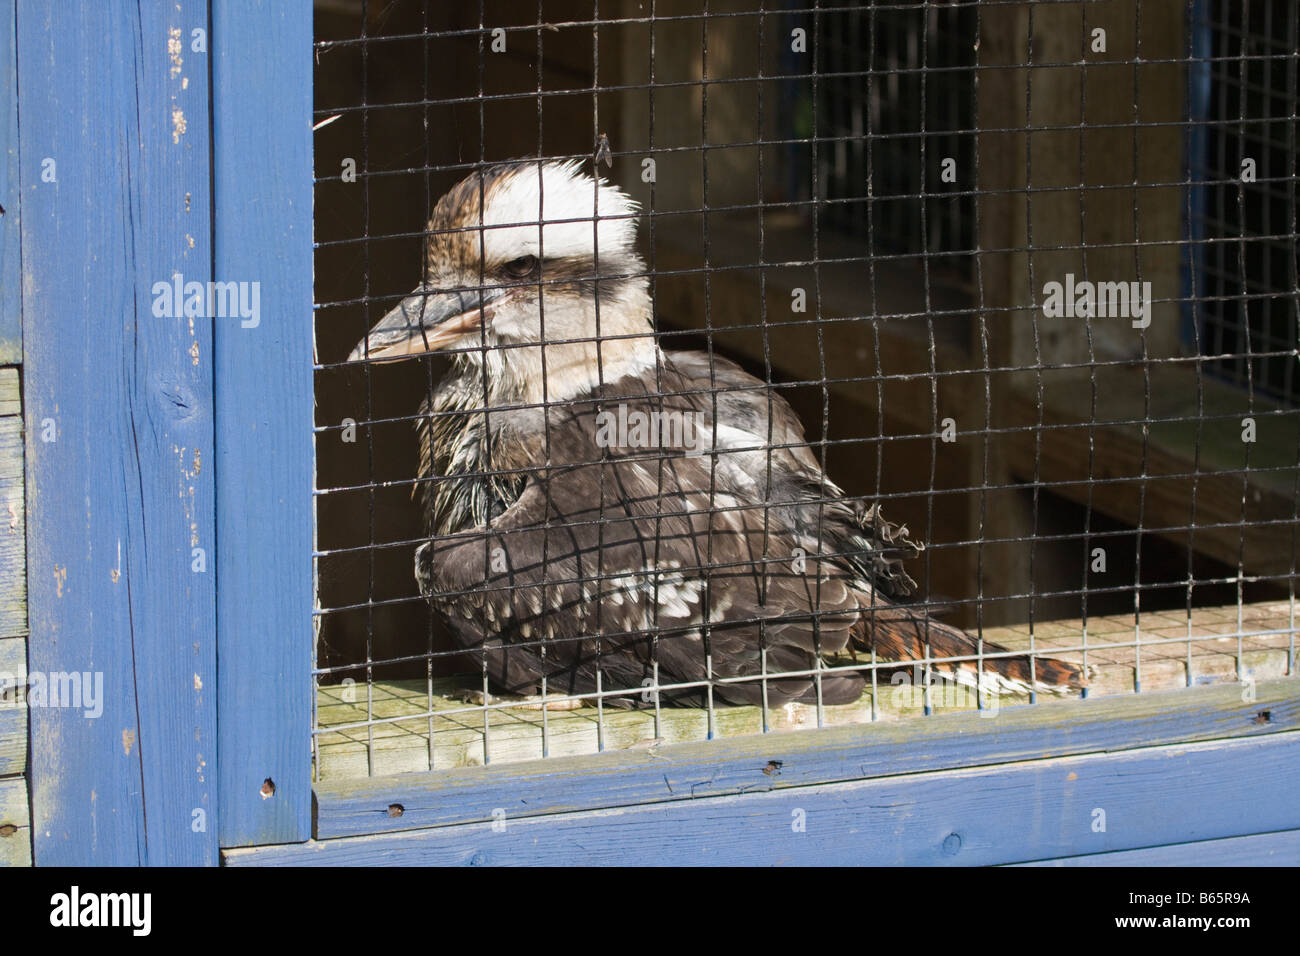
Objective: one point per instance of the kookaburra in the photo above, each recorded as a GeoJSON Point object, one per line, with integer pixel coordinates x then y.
{"type": "Point", "coordinates": [566, 543]}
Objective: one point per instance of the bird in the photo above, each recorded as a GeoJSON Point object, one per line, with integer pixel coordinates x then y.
{"type": "Point", "coordinates": [607, 517]}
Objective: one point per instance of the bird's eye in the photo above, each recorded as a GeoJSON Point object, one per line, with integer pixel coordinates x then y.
{"type": "Point", "coordinates": [522, 267]}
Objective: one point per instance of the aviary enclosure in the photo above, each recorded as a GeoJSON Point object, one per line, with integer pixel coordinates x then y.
{"type": "Point", "coordinates": [1006, 289]}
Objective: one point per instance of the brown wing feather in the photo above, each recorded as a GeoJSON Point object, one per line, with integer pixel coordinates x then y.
{"type": "Point", "coordinates": [620, 559]}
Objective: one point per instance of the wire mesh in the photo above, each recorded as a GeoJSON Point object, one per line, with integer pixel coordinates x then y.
{"type": "Point", "coordinates": [1021, 277]}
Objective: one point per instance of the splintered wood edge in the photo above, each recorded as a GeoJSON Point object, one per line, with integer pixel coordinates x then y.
{"type": "Point", "coordinates": [515, 733]}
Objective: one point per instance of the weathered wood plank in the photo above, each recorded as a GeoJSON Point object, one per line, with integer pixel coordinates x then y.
{"type": "Point", "coordinates": [13, 544]}
{"type": "Point", "coordinates": [11, 339]}
{"type": "Point", "coordinates": [118, 394]}
{"type": "Point", "coordinates": [1004, 814]}
{"type": "Point", "coordinates": [402, 745]}
{"type": "Point", "coordinates": [15, 829]}
{"type": "Point", "coordinates": [10, 392]}
{"type": "Point", "coordinates": [262, 171]}
{"type": "Point", "coordinates": [15, 824]}
{"type": "Point", "coordinates": [740, 765]}
{"type": "Point", "coordinates": [13, 706]}
{"type": "Point", "coordinates": [1259, 849]}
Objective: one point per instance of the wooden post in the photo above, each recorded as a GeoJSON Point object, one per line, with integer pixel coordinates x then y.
{"type": "Point", "coordinates": [262, 175]}
{"type": "Point", "coordinates": [113, 157]}
{"type": "Point", "coordinates": [15, 833]}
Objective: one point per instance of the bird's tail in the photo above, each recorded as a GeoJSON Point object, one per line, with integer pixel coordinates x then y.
{"type": "Point", "coordinates": [900, 634]}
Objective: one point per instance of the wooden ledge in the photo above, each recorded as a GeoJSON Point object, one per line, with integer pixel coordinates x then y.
{"type": "Point", "coordinates": [1167, 652]}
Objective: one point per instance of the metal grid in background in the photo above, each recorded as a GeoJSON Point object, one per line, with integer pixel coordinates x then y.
{"type": "Point", "coordinates": [1251, 113]}
{"type": "Point", "coordinates": [902, 103]}
{"type": "Point", "coordinates": [847, 149]}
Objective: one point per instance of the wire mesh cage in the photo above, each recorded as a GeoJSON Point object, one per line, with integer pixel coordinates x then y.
{"type": "Point", "coordinates": [774, 368]}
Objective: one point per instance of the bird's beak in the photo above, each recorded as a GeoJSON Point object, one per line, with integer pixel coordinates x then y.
{"type": "Point", "coordinates": [427, 321]}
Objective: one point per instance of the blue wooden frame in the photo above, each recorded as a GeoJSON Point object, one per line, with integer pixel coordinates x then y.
{"type": "Point", "coordinates": [114, 165]}
{"type": "Point", "coordinates": [11, 332]}
{"type": "Point", "coordinates": [172, 437]}
{"type": "Point", "coordinates": [173, 511]}
{"type": "Point", "coordinates": [738, 766]}
{"type": "Point", "coordinates": [262, 175]}
{"type": "Point", "coordinates": [1169, 768]}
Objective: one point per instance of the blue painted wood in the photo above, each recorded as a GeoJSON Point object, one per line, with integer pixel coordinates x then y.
{"type": "Point", "coordinates": [1259, 849]}
{"type": "Point", "coordinates": [1011, 813]}
{"type": "Point", "coordinates": [262, 174]}
{"type": "Point", "coordinates": [11, 341]}
{"type": "Point", "coordinates": [114, 161]}
{"type": "Point", "coordinates": [738, 765]}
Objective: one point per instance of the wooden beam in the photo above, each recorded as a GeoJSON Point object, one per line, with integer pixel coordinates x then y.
{"type": "Point", "coordinates": [262, 181]}
{"type": "Point", "coordinates": [11, 329]}
{"type": "Point", "coordinates": [1245, 503]}
{"type": "Point", "coordinates": [981, 816]}
{"type": "Point", "coordinates": [741, 764]}
{"type": "Point", "coordinates": [13, 579]}
{"type": "Point", "coordinates": [1258, 849]}
{"type": "Point", "coordinates": [13, 545]}
{"type": "Point", "coordinates": [15, 823]}
{"type": "Point", "coordinates": [1162, 651]}
{"type": "Point", "coordinates": [114, 160]}
{"type": "Point", "coordinates": [13, 706]}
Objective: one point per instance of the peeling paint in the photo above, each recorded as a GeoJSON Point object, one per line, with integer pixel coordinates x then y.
{"type": "Point", "coordinates": [60, 578]}
{"type": "Point", "coordinates": [174, 50]}
{"type": "Point", "coordinates": [178, 125]}
{"type": "Point", "coordinates": [194, 351]}
{"type": "Point", "coordinates": [198, 682]}
{"type": "Point", "coordinates": [128, 741]}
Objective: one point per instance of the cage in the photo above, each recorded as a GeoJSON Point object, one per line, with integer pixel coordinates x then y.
{"type": "Point", "coordinates": [971, 325]}
{"type": "Point", "coordinates": [1110, 484]}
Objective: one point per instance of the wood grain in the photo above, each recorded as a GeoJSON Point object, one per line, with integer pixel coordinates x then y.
{"type": "Point", "coordinates": [262, 100]}
{"type": "Point", "coordinates": [115, 96]}
{"type": "Point", "coordinates": [15, 825]}
{"type": "Point", "coordinates": [13, 543]}
{"type": "Point", "coordinates": [401, 709]}
{"type": "Point", "coordinates": [11, 339]}
{"type": "Point", "coordinates": [1258, 849]}
{"type": "Point", "coordinates": [13, 709]}
{"type": "Point", "coordinates": [740, 765]}
{"type": "Point", "coordinates": [1047, 808]}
